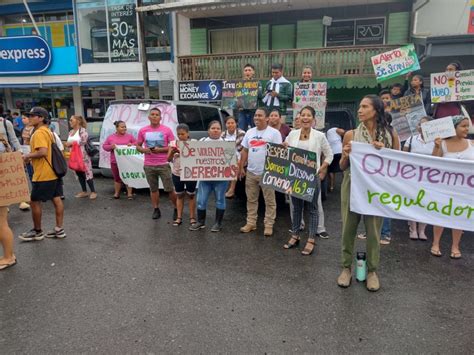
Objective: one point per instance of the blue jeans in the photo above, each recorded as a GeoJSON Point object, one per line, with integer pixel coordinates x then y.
{"type": "Point", "coordinates": [297, 215]}
{"type": "Point", "coordinates": [246, 119]}
{"type": "Point", "coordinates": [205, 189]}
{"type": "Point", "coordinates": [386, 228]}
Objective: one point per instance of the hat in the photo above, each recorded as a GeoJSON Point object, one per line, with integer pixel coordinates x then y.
{"type": "Point", "coordinates": [38, 111]}
{"type": "Point", "coordinates": [457, 119]}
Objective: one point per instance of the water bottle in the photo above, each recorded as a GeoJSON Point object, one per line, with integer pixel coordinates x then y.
{"type": "Point", "coordinates": [361, 267]}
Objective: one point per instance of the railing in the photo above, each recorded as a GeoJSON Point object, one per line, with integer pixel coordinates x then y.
{"type": "Point", "coordinates": [326, 62]}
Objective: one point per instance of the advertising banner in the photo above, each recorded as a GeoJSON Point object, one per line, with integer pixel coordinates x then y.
{"type": "Point", "coordinates": [208, 160]}
{"type": "Point", "coordinates": [205, 90]}
{"type": "Point", "coordinates": [13, 182]}
{"type": "Point", "coordinates": [311, 94]}
{"type": "Point", "coordinates": [396, 62]}
{"type": "Point", "coordinates": [406, 113]}
{"type": "Point", "coordinates": [414, 187]}
{"type": "Point", "coordinates": [123, 33]}
{"type": "Point", "coordinates": [441, 127]}
{"type": "Point", "coordinates": [240, 94]}
{"type": "Point", "coordinates": [452, 86]}
{"type": "Point", "coordinates": [24, 55]}
{"type": "Point", "coordinates": [130, 163]}
{"type": "Point", "coordinates": [291, 171]}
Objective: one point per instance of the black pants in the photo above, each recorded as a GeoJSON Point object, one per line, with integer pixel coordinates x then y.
{"type": "Point", "coordinates": [82, 180]}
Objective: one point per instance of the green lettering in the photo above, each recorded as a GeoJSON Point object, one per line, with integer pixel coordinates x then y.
{"type": "Point", "coordinates": [371, 194]}
{"type": "Point", "coordinates": [432, 206]}
{"type": "Point", "coordinates": [459, 210]}
{"type": "Point", "coordinates": [384, 198]}
{"type": "Point", "coordinates": [397, 199]}
{"type": "Point", "coordinates": [446, 210]}
{"type": "Point", "coordinates": [419, 197]}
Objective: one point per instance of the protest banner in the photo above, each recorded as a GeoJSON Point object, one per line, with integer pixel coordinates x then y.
{"type": "Point", "coordinates": [442, 127]}
{"type": "Point", "coordinates": [130, 163]}
{"type": "Point", "coordinates": [406, 186]}
{"type": "Point", "coordinates": [407, 112]}
{"type": "Point", "coordinates": [452, 86]}
{"type": "Point", "coordinates": [208, 160]}
{"type": "Point", "coordinates": [240, 94]}
{"type": "Point", "coordinates": [291, 171]}
{"type": "Point", "coordinates": [13, 182]}
{"type": "Point", "coordinates": [311, 94]}
{"type": "Point", "coordinates": [394, 63]}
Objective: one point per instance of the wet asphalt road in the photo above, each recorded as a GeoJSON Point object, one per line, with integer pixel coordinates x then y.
{"type": "Point", "coordinates": [124, 283]}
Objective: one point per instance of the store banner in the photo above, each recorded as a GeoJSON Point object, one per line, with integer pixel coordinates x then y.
{"type": "Point", "coordinates": [13, 182]}
{"type": "Point", "coordinates": [311, 94]}
{"type": "Point", "coordinates": [130, 163]}
{"type": "Point", "coordinates": [292, 171]}
{"type": "Point", "coordinates": [413, 187]}
{"type": "Point", "coordinates": [204, 90]}
{"type": "Point", "coordinates": [396, 62]}
{"type": "Point", "coordinates": [406, 113]}
{"type": "Point", "coordinates": [208, 160]}
{"type": "Point", "coordinates": [452, 86]}
{"type": "Point", "coordinates": [240, 94]}
{"type": "Point", "coordinates": [24, 55]}
{"type": "Point", "coordinates": [123, 33]}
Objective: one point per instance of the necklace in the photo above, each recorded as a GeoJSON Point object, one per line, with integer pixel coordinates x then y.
{"type": "Point", "coordinates": [304, 135]}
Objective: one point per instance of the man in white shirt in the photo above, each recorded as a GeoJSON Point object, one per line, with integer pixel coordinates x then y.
{"type": "Point", "coordinates": [253, 152]}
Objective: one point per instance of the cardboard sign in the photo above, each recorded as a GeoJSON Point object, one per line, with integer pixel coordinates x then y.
{"type": "Point", "coordinates": [452, 86]}
{"type": "Point", "coordinates": [240, 94]}
{"type": "Point", "coordinates": [130, 163]}
{"type": "Point", "coordinates": [208, 160]}
{"type": "Point", "coordinates": [291, 170]}
{"type": "Point", "coordinates": [311, 94]}
{"type": "Point", "coordinates": [13, 182]}
{"type": "Point", "coordinates": [442, 127]}
{"type": "Point", "coordinates": [414, 187]}
{"type": "Point", "coordinates": [406, 113]}
{"type": "Point", "coordinates": [396, 62]}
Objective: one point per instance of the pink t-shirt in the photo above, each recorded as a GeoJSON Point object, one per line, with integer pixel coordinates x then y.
{"type": "Point", "coordinates": [117, 139]}
{"type": "Point", "coordinates": [160, 137]}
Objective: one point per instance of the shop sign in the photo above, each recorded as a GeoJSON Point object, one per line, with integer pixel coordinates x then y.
{"type": "Point", "coordinates": [205, 90]}
{"type": "Point", "coordinates": [24, 55]}
{"type": "Point", "coordinates": [356, 32]}
{"type": "Point", "coordinates": [123, 33]}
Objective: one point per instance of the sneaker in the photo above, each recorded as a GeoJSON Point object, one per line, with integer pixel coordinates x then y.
{"type": "Point", "coordinates": [156, 213]}
{"type": "Point", "coordinates": [24, 206]}
{"type": "Point", "coordinates": [324, 235]}
{"type": "Point", "coordinates": [362, 236]}
{"type": "Point", "coordinates": [32, 235]}
{"type": "Point", "coordinates": [373, 283]}
{"type": "Point", "coordinates": [56, 233]}
{"type": "Point", "coordinates": [82, 194]}
{"type": "Point", "coordinates": [345, 278]}
{"type": "Point", "coordinates": [197, 226]}
{"type": "Point", "coordinates": [268, 231]}
{"type": "Point", "coordinates": [247, 228]}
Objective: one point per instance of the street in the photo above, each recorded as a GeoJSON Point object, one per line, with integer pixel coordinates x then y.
{"type": "Point", "coordinates": [124, 283]}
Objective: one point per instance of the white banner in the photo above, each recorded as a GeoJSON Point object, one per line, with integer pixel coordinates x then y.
{"type": "Point", "coordinates": [130, 164]}
{"type": "Point", "coordinates": [407, 186]}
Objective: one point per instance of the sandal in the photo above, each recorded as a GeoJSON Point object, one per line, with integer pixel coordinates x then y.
{"type": "Point", "coordinates": [192, 221]}
{"type": "Point", "coordinates": [293, 242]}
{"type": "Point", "coordinates": [455, 255]}
{"type": "Point", "coordinates": [177, 222]}
{"type": "Point", "coordinates": [6, 266]}
{"type": "Point", "coordinates": [307, 249]}
{"type": "Point", "coordinates": [130, 197]}
{"type": "Point", "coordinates": [436, 253]}
{"type": "Point", "coordinates": [116, 197]}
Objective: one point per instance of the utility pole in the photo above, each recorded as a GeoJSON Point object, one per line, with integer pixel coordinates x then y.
{"type": "Point", "coordinates": [143, 55]}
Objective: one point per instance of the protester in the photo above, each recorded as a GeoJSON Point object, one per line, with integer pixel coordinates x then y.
{"type": "Point", "coordinates": [307, 74]}
{"type": "Point", "coordinates": [312, 140]}
{"type": "Point", "coordinates": [78, 134]}
{"type": "Point", "coordinates": [397, 90]}
{"type": "Point", "coordinates": [275, 122]}
{"type": "Point", "coordinates": [17, 124]}
{"type": "Point", "coordinates": [417, 88]}
{"type": "Point", "coordinates": [245, 116]}
{"type": "Point", "coordinates": [386, 98]}
{"type": "Point", "coordinates": [233, 134]}
{"type": "Point", "coordinates": [297, 121]}
{"type": "Point", "coordinates": [253, 156]}
{"type": "Point", "coordinates": [153, 141]}
{"type": "Point", "coordinates": [120, 137]}
{"type": "Point", "coordinates": [219, 188]}
{"type": "Point", "coordinates": [182, 188]}
{"type": "Point", "coordinates": [453, 108]}
{"type": "Point", "coordinates": [6, 235]}
{"type": "Point", "coordinates": [374, 130]}
{"type": "Point", "coordinates": [27, 130]}
{"type": "Point", "coordinates": [457, 147]}
{"type": "Point", "coordinates": [278, 91]}
{"type": "Point", "coordinates": [45, 185]}
{"type": "Point", "coordinates": [416, 144]}
{"type": "Point", "coordinates": [334, 136]}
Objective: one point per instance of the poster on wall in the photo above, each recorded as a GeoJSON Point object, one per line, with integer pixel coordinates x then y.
{"type": "Point", "coordinates": [311, 94]}
{"type": "Point", "coordinates": [406, 113]}
{"type": "Point", "coordinates": [452, 86]}
{"type": "Point", "coordinates": [123, 33]}
{"type": "Point", "coordinates": [240, 94]}
{"type": "Point", "coordinates": [394, 63]}
{"type": "Point", "coordinates": [201, 90]}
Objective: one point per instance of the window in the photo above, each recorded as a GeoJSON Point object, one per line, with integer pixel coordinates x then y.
{"type": "Point", "coordinates": [356, 32]}
{"type": "Point", "coordinates": [242, 39]}
{"type": "Point", "coordinates": [191, 116]}
{"type": "Point", "coordinates": [209, 114]}
{"type": "Point", "coordinates": [157, 37]}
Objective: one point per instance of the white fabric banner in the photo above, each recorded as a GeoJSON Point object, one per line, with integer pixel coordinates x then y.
{"type": "Point", "coordinates": [407, 186]}
{"type": "Point", "coordinates": [130, 164]}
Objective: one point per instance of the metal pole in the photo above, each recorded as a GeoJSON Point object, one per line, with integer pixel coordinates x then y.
{"type": "Point", "coordinates": [31, 17]}
{"type": "Point", "coordinates": [143, 55]}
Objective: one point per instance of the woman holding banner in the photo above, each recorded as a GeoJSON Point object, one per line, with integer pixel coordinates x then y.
{"type": "Point", "coordinates": [233, 134]}
{"type": "Point", "coordinates": [310, 139]}
{"type": "Point", "coordinates": [120, 137]}
{"type": "Point", "coordinates": [373, 129]}
{"type": "Point", "coordinates": [457, 147]}
{"type": "Point", "coordinates": [207, 187]}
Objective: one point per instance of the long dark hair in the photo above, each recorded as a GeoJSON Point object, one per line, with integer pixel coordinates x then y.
{"type": "Point", "coordinates": [382, 126]}
{"type": "Point", "coordinates": [420, 78]}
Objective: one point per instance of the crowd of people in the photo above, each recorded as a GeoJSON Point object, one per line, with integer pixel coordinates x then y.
{"type": "Point", "coordinates": [251, 130]}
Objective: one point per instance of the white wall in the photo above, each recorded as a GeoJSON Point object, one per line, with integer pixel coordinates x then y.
{"type": "Point", "coordinates": [183, 30]}
{"type": "Point", "coordinates": [441, 17]}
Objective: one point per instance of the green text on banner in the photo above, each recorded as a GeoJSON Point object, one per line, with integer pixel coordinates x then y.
{"type": "Point", "coordinates": [396, 62]}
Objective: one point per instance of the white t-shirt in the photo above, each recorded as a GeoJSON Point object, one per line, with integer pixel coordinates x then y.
{"type": "Point", "coordinates": [335, 141]}
{"type": "Point", "coordinates": [231, 137]}
{"type": "Point", "coordinates": [419, 146]}
{"type": "Point", "coordinates": [256, 143]}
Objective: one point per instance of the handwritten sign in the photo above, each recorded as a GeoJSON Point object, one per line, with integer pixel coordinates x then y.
{"type": "Point", "coordinates": [240, 94]}
{"type": "Point", "coordinates": [396, 62]}
{"type": "Point", "coordinates": [291, 171]}
{"type": "Point", "coordinates": [311, 94]}
{"type": "Point", "coordinates": [208, 160]}
{"type": "Point", "coordinates": [414, 187]}
{"type": "Point", "coordinates": [13, 181]}
{"type": "Point", "coordinates": [452, 86]}
{"type": "Point", "coordinates": [406, 113]}
{"type": "Point", "coordinates": [130, 163]}
{"type": "Point", "coordinates": [442, 127]}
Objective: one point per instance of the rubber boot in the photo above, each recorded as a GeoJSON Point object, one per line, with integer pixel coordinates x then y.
{"type": "Point", "coordinates": [201, 221]}
{"type": "Point", "coordinates": [218, 224]}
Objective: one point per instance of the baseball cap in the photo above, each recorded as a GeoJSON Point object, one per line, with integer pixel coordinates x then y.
{"type": "Point", "coordinates": [38, 111]}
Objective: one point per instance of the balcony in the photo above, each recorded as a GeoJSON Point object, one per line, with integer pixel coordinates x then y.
{"type": "Point", "coordinates": [326, 63]}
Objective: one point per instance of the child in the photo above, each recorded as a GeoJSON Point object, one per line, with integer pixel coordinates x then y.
{"type": "Point", "coordinates": [181, 186]}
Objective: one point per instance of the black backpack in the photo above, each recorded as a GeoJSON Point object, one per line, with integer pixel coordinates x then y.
{"type": "Point", "coordinates": [58, 163]}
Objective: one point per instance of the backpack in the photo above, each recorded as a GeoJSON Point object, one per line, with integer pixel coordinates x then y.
{"type": "Point", "coordinates": [91, 150]}
{"type": "Point", "coordinates": [58, 163]}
